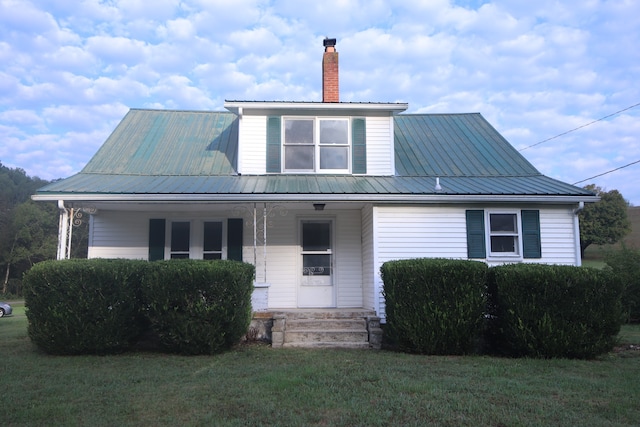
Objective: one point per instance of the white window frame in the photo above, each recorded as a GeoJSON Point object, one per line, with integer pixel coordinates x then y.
{"type": "Point", "coordinates": [317, 146]}
{"type": "Point", "coordinates": [517, 234]}
{"type": "Point", "coordinates": [196, 237]}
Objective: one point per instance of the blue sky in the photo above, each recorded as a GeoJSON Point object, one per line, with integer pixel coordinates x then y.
{"type": "Point", "coordinates": [70, 70]}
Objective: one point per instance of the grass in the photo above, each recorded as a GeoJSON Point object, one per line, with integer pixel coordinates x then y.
{"type": "Point", "coordinates": [259, 386]}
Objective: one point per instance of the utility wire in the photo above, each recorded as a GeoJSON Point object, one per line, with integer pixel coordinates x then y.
{"type": "Point", "coordinates": [605, 173]}
{"type": "Point", "coordinates": [580, 127]}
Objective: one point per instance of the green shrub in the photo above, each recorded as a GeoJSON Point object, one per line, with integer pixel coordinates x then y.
{"type": "Point", "coordinates": [83, 306]}
{"type": "Point", "coordinates": [550, 311]}
{"type": "Point", "coordinates": [625, 263]}
{"type": "Point", "coordinates": [434, 306]}
{"type": "Point", "coordinates": [198, 307]}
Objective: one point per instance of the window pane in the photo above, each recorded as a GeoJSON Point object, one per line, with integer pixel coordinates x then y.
{"type": "Point", "coordinates": [180, 237]}
{"type": "Point", "coordinates": [179, 256]}
{"type": "Point", "coordinates": [503, 222]}
{"type": "Point", "coordinates": [212, 256]}
{"type": "Point", "coordinates": [298, 131]}
{"type": "Point", "coordinates": [316, 236]}
{"type": "Point", "coordinates": [298, 157]}
{"type": "Point", "coordinates": [212, 236]}
{"type": "Point", "coordinates": [334, 132]}
{"type": "Point", "coordinates": [316, 265]}
{"type": "Point", "coordinates": [503, 244]}
{"type": "Point", "coordinates": [334, 158]}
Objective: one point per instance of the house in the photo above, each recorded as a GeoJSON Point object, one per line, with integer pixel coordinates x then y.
{"type": "Point", "coordinates": [317, 195]}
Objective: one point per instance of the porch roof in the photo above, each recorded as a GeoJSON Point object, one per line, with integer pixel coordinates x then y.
{"type": "Point", "coordinates": [88, 186]}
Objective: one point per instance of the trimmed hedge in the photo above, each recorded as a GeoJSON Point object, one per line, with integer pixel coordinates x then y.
{"type": "Point", "coordinates": [549, 311]}
{"type": "Point", "coordinates": [84, 306]}
{"type": "Point", "coordinates": [434, 306]}
{"type": "Point", "coordinates": [198, 307]}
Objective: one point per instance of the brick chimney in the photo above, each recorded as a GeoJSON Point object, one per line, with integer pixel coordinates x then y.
{"type": "Point", "coordinates": [330, 86]}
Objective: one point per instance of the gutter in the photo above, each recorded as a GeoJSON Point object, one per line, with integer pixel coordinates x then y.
{"type": "Point", "coordinates": [333, 197]}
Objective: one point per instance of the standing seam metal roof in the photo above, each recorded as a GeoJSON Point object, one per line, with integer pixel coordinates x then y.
{"type": "Point", "coordinates": [195, 152]}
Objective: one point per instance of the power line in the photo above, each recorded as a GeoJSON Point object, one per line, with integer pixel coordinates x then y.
{"type": "Point", "coordinates": [605, 173]}
{"type": "Point", "coordinates": [580, 127]}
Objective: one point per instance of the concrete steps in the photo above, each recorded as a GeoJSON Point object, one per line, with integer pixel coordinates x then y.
{"type": "Point", "coordinates": [326, 329]}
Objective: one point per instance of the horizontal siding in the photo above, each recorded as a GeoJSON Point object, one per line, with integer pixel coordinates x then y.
{"type": "Point", "coordinates": [119, 235]}
{"type": "Point", "coordinates": [348, 259]}
{"type": "Point", "coordinates": [440, 232]}
{"type": "Point", "coordinates": [253, 140]}
{"type": "Point", "coordinates": [379, 146]}
{"type": "Point", "coordinates": [368, 259]}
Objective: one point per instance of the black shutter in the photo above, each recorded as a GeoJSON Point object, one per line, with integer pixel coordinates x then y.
{"type": "Point", "coordinates": [531, 247]}
{"type": "Point", "coordinates": [156, 239]}
{"type": "Point", "coordinates": [359, 146]}
{"type": "Point", "coordinates": [476, 247]}
{"type": "Point", "coordinates": [234, 239]}
{"type": "Point", "coordinates": [274, 144]}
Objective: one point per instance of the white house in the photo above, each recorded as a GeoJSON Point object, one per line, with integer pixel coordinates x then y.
{"type": "Point", "coordinates": [317, 195]}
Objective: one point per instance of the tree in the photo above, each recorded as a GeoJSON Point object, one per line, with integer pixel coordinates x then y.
{"type": "Point", "coordinates": [603, 222]}
{"type": "Point", "coordinates": [32, 238]}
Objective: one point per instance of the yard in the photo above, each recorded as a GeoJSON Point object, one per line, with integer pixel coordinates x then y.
{"type": "Point", "coordinates": [257, 385]}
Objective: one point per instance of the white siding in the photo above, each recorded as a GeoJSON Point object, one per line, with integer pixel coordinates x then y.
{"type": "Point", "coordinates": [253, 145]}
{"type": "Point", "coordinates": [380, 146]}
{"type": "Point", "coordinates": [284, 264]}
{"type": "Point", "coordinates": [368, 258]}
{"type": "Point", "coordinates": [440, 232]}
{"type": "Point", "coordinates": [119, 235]}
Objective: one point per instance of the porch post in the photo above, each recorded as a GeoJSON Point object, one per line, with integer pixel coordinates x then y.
{"type": "Point", "coordinates": [64, 231]}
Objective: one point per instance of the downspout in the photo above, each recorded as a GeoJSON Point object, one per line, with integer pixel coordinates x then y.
{"type": "Point", "coordinates": [576, 232]}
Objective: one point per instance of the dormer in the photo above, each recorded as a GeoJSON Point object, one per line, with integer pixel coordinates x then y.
{"type": "Point", "coordinates": [328, 137]}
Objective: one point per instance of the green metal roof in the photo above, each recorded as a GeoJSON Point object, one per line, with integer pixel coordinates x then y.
{"type": "Point", "coordinates": [454, 145]}
{"type": "Point", "coordinates": [160, 142]}
{"type": "Point", "coordinates": [187, 153]}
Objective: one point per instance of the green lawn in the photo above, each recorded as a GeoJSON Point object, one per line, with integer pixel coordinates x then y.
{"type": "Point", "coordinates": [257, 385]}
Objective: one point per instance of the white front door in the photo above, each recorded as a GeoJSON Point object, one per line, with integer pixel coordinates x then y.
{"type": "Point", "coordinates": [316, 276]}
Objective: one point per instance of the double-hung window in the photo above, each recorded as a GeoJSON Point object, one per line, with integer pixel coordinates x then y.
{"type": "Point", "coordinates": [316, 145]}
{"type": "Point", "coordinates": [504, 234]}
{"type": "Point", "coordinates": [196, 239]}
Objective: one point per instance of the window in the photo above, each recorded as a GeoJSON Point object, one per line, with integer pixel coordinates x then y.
{"type": "Point", "coordinates": [316, 144]}
{"type": "Point", "coordinates": [196, 239]}
{"type": "Point", "coordinates": [212, 240]}
{"type": "Point", "coordinates": [507, 234]}
{"type": "Point", "coordinates": [503, 234]}
{"type": "Point", "coordinates": [180, 239]}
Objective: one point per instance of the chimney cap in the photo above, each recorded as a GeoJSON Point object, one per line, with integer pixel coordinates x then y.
{"type": "Point", "coordinates": [329, 42]}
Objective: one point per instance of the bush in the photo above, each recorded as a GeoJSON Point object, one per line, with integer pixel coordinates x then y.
{"type": "Point", "coordinates": [625, 263]}
{"type": "Point", "coordinates": [198, 307]}
{"type": "Point", "coordinates": [83, 306]}
{"type": "Point", "coordinates": [434, 306]}
{"type": "Point", "coordinates": [550, 311]}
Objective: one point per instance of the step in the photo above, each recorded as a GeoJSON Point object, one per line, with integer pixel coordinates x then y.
{"type": "Point", "coordinates": [324, 314]}
{"type": "Point", "coordinates": [326, 324]}
{"type": "Point", "coordinates": [358, 344]}
{"type": "Point", "coordinates": [336, 335]}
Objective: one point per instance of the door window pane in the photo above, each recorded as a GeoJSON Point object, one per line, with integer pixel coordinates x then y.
{"type": "Point", "coordinates": [316, 236]}
{"type": "Point", "coordinates": [316, 265]}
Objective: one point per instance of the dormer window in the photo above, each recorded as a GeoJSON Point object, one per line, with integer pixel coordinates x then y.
{"type": "Point", "coordinates": [316, 145]}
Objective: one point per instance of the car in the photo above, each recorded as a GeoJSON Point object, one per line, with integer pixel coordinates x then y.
{"type": "Point", "coordinates": [5, 309]}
